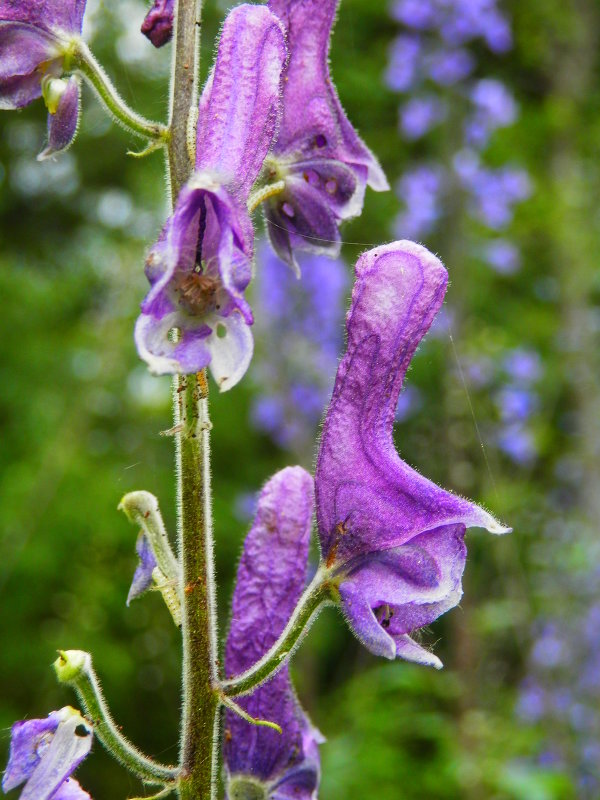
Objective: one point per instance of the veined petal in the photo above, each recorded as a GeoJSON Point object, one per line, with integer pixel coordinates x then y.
{"type": "Point", "coordinates": [62, 126]}
{"type": "Point", "coordinates": [23, 48]}
{"type": "Point", "coordinates": [240, 106]}
{"type": "Point", "coordinates": [25, 750]}
{"type": "Point", "coordinates": [314, 122]}
{"type": "Point", "coordinates": [50, 15]}
{"type": "Point", "coordinates": [270, 580]}
{"type": "Point", "coordinates": [70, 744]}
{"type": "Point", "coordinates": [71, 790]}
{"type": "Point", "coordinates": [198, 271]}
{"type": "Point", "coordinates": [158, 22]}
{"type": "Point", "coordinates": [231, 346]}
{"type": "Point", "coordinates": [388, 594]}
{"type": "Point", "coordinates": [300, 219]}
{"type": "Point", "coordinates": [335, 182]}
{"type": "Point", "coordinates": [367, 498]}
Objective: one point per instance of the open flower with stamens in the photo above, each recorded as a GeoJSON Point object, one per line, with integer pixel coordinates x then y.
{"type": "Point", "coordinates": [261, 763]}
{"type": "Point", "coordinates": [324, 163]}
{"type": "Point", "coordinates": [44, 753]}
{"type": "Point", "coordinates": [195, 314]}
{"type": "Point", "coordinates": [35, 39]}
{"type": "Point", "coordinates": [392, 540]}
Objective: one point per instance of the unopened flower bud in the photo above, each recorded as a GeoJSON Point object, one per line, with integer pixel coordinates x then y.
{"type": "Point", "coordinates": [71, 664]}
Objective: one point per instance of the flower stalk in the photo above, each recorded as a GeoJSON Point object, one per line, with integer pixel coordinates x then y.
{"type": "Point", "coordinates": [80, 59]}
{"type": "Point", "coordinates": [74, 668]}
{"type": "Point", "coordinates": [199, 727]}
{"type": "Point", "coordinates": [320, 592]}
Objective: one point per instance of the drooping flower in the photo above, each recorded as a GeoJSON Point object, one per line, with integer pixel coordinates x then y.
{"type": "Point", "coordinates": [158, 22]}
{"type": "Point", "coordinates": [44, 753]}
{"type": "Point", "coordinates": [142, 577]}
{"type": "Point", "coordinates": [195, 314]}
{"type": "Point", "coordinates": [318, 154]}
{"type": "Point", "coordinates": [392, 538]}
{"type": "Point", "coordinates": [260, 762]}
{"type": "Point", "coordinates": [35, 37]}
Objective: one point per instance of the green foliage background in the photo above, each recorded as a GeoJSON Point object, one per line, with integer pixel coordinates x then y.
{"type": "Point", "coordinates": [80, 422]}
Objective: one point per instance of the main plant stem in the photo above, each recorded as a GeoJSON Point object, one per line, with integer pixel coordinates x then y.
{"type": "Point", "coordinates": [200, 695]}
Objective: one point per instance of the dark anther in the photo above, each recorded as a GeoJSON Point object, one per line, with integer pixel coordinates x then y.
{"type": "Point", "coordinates": [320, 140]}
{"type": "Point", "coordinates": [82, 731]}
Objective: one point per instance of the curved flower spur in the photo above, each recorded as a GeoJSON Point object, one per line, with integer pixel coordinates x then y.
{"type": "Point", "coordinates": [35, 38]}
{"type": "Point", "coordinates": [392, 540]}
{"type": "Point", "coordinates": [323, 163]}
{"type": "Point", "coordinates": [262, 763]}
{"type": "Point", "coordinates": [195, 314]}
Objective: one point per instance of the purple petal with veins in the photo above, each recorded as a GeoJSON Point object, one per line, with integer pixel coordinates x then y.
{"type": "Point", "coordinates": [392, 537]}
{"type": "Point", "coordinates": [271, 577]}
{"type": "Point", "coordinates": [313, 128]}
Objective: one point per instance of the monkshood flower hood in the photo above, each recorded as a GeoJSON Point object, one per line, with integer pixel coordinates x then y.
{"type": "Point", "coordinates": [260, 762]}
{"type": "Point", "coordinates": [44, 753]}
{"type": "Point", "coordinates": [392, 540]}
{"type": "Point", "coordinates": [324, 163]}
{"type": "Point", "coordinates": [35, 36]}
{"type": "Point", "coordinates": [195, 314]}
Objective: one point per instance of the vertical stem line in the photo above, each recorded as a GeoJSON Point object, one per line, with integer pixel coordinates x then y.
{"type": "Point", "coordinates": [184, 89]}
{"type": "Point", "coordinates": [199, 727]}
{"type": "Point", "coordinates": [200, 700]}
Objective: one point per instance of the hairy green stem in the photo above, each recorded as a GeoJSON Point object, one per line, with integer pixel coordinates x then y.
{"type": "Point", "coordinates": [81, 59]}
{"type": "Point", "coordinates": [319, 593]}
{"type": "Point", "coordinates": [184, 91]}
{"type": "Point", "coordinates": [199, 725]}
{"type": "Point", "coordinates": [74, 667]}
{"type": "Point", "coordinates": [200, 696]}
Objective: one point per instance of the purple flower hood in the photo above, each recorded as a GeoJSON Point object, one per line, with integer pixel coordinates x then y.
{"type": "Point", "coordinates": [271, 578]}
{"type": "Point", "coordinates": [202, 262]}
{"type": "Point", "coordinates": [392, 538]}
{"type": "Point", "coordinates": [324, 163]}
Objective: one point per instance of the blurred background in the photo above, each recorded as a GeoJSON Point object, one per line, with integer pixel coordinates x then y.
{"type": "Point", "coordinates": [486, 117]}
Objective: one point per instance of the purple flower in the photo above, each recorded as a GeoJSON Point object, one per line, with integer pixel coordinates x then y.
{"type": "Point", "coordinates": [404, 59]}
{"type": "Point", "coordinates": [494, 192]}
{"type": "Point", "coordinates": [523, 365]}
{"type": "Point", "coordinates": [447, 67]}
{"type": "Point", "coordinates": [420, 190]}
{"type": "Point", "coordinates": [417, 14]}
{"type": "Point", "coordinates": [516, 403]}
{"type": "Point", "coordinates": [518, 443]}
{"type": "Point", "coordinates": [158, 22]}
{"type": "Point", "coordinates": [34, 40]}
{"type": "Point", "coordinates": [420, 114]}
{"type": "Point", "coordinates": [142, 577]}
{"type": "Point", "coordinates": [318, 154]}
{"type": "Point", "coordinates": [195, 314]}
{"type": "Point", "coordinates": [305, 319]}
{"type": "Point", "coordinates": [392, 539]}
{"type": "Point", "coordinates": [44, 753]}
{"type": "Point", "coordinates": [271, 577]}
{"type": "Point", "coordinates": [502, 256]}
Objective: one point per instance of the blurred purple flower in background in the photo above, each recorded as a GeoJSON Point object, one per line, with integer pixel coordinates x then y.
{"type": "Point", "coordinates": [304, 317]}
{"type": "Point", "coordinates": [432, 62]}
{"type": "Point", "coordinates": [421, 190]}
